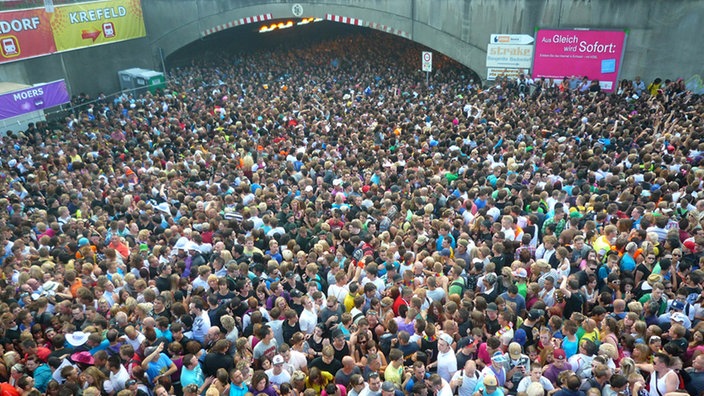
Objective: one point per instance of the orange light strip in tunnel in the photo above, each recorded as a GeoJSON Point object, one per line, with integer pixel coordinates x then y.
{"type": "Point", "coordinates": [237, 22]}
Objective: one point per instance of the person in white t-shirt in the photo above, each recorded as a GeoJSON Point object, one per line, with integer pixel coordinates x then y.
{"type": "Point", "coordinates": [447, 360]}
{"type": "Point", "coordinates": [308, 319]}
{"type": "Point", "coordinates": [277, 374]}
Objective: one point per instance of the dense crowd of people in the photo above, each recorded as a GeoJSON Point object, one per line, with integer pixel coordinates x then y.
{"type": "Point", "coordinates": [316, 220]}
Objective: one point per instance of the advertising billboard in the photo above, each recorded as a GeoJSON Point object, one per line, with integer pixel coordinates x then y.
{"type": "Point", "coordinates": [36, 32]}
{"type": "Point", "coordinates": [25, 34]}
{"type": "Point", "coordinates": [38, 97]}
{"type": "Point", "coordinates": [510, 55]}
{"type": "Point", "coordinates": [596, 54]}
{"type": "Point", "coordinates": [86, 24]}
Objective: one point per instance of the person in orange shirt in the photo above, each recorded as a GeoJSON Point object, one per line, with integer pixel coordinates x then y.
{"type": "Point", "coordinates": [74, 281]}
{"type": "Point", "coordinates": [118, 243]}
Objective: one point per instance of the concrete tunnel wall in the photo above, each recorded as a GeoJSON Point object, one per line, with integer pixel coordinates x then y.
{"type": "Point", "coordinates": [662, 39]}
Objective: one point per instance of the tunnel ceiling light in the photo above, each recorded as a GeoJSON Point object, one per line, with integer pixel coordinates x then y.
{"type": "Point", "coordinates": [287, 24]}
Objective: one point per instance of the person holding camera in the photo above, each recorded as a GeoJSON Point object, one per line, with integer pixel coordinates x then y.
{"type": "Point", "coordinates": [517, 365]}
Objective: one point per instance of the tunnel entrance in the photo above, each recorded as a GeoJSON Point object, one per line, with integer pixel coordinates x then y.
{"type": "Point", "coordinates": [275, 36]}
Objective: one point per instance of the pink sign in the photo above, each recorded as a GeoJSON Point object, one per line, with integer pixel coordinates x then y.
{"type": "Point", "coordinates": [596, 54]}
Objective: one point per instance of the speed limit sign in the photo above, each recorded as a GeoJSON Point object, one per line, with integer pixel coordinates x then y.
{"type": "Point", "coordinates": [427, 61]}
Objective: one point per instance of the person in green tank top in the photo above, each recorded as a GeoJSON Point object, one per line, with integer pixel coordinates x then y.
{"type": "Point", "coordinates": [521, 276]}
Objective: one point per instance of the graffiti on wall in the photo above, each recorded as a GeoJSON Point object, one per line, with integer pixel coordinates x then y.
{"type": "Point", "coordinates": [695, 84]}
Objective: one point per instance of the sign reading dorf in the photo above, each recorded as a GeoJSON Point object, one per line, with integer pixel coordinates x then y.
{"type": "Point", "coordinates": [25, 34]}
{"type": "Point", "coordinates": [86, 24]}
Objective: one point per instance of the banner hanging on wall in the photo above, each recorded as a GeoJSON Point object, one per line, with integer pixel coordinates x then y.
{"type": "Point", "coordinates": [38, 97]}
{"type": "Point", "coordinates": [25, 34]}
{"type": "Point", "coordinates": [86, 24]}
{"type": "Point", "coordinates": [36, 32]}
{"type": "Point", "coordinates": [596, 54]}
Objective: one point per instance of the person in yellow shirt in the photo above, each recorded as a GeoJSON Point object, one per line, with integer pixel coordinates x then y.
{"type": "Point", "coordinates": [349, 298]}
{"type": "Point", "coordinates": [318, 379]}
{"type": "Point", "coordinates": [591, 332]}
{"type": "Point", "coordinates": [602, 245]}
{"type": "Point", "coordinates": [394, 371]}
{"type": "Point", "coordinates": [655, 86]}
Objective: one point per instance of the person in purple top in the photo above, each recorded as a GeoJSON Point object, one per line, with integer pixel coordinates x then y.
{"type": "Point", "coordinates": [260, 384]}
{"type": "Point", "coordinates": [558, 365]}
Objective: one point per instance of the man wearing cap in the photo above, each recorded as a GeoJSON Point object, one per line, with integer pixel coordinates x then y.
{"type": "Point", "coordinates": [467, 350]}
{"type": "Point", "coordinates": [558, 365]}
{"type": "Point", "coordinates": [517, 366]}
{"type": "Point", "coordinates": [676, 313]}
{"type": "Point", "coordinates": [491, 325]}
{"type": "Point", "coordinates": [497, 368]}
{"type": "Point", "coordinates": [277, 375]}
{"type": "Point", "coordinates": [447, 361]}
{"type": "Point", "coordinates": [488, 386]}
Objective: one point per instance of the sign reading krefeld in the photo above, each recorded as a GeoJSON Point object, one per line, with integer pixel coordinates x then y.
{"type": "Point", "coordinates": [86, 24]}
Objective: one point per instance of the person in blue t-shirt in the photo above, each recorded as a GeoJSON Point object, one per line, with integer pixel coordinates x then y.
{"type": "Point", "coordinates": [488, 386]}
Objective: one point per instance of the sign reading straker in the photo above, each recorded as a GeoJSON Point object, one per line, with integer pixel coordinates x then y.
{"type": "Point", "coordinates": [596, 54]}
{"type": "Point", "coordinates": [509, 56]}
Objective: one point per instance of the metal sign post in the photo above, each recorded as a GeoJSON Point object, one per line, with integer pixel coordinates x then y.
{"type": "Point", "coordinates": [427, 65]}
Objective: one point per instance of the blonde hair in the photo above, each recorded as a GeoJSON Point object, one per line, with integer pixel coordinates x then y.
{"type": "Point", "coordinates": [608, 350]}
{"type": "Point", "coordinates": [228, 322]}
{"type": "Point", "coordinates": [535, 389]}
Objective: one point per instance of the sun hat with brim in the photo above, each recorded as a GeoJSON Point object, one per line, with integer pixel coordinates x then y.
{"type": "Point", "coordinates": [77, 338]}
{"type": "Point", "coordinates": [83, 357]}
{"type": "Point", "coordinates": [181, 244]}
{"type": "Point", "coordinates": [163, 207]}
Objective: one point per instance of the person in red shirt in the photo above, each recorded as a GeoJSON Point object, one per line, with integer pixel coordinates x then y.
{"type": "Point", "coordinates": [403, 299]}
